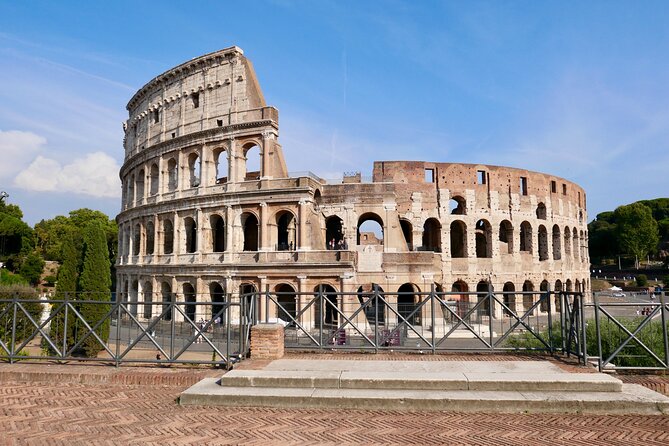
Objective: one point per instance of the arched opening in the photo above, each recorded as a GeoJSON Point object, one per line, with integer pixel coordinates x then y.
{"type": "Point", "coordinates": [570, 288]}
{"type": "Point", "coordinates": [155, 180]}
{"type": "Point", "coordinates": [483, 233]}
{"type": "Point", "coordinates": [457, 205]}
{"type": "Point", "coordinates": [132, 298]}
{"type": "Point", "coordinates": [130, 195]}
{"type": "Point", "coordinates": [189, 299]}
{"type": "Point", "coordinates": [462, 301]}
{"type": "Point", "coordinates": [558, 300]}
{"type": "Point", "coordinates": [407, 232]}
{"type": "Point", "coordinates": [528, 297]}
{"type": "Point", "coordinates": [147, 298]}
{"type": "Point", "coordinates": [172, 175]}
{"type": "Point", "coordinates": [407, 301]}
{"type": "Point", "coordinates": [557, 250]}
{"type": "Point", "coordinates": [574, 240]}
{"type": "Point", "coordinates": [374, 309]}
{"type": "Point", "coordinates": [334, 232]}
{"type": "Point", "coordinates": [567, 242]}
{"type": "Point", "coordinates": [543, 243]}
{"type": "Point", "coordinates": [136, 239]}
{"type": "Point", "coordinates": [578, 286]}
{"type": "Point", "coordinates": [250, 225]}
{"type": "Point", "coordinates": [506, 237]}
{"type": "Point", "coordinates": [370, 229]}
{"type": "Point", "coordinates": [221, 164]}
{"type": "Point", "coordinates": [194, 169]}
{"type": "Point", "coordinates": [286, 298]}
{"type": "Point", "coordinates": [458, 239]}
{"type": "Point", "coordinates": [217, 295]}
{"type": "Point", "coordinates": [139, 186]}
{"type": "Point", "coordinates": [330, 316]}
{"type": "Point", "coordinates": [168, 237]}
{"type": "Point", "coordinates": [190, 227]}
{"type": "Point", "coordinates": [217, 233]}
{"type": "Point", "coordinates": [248, 293]}
{"type": "Point", "coordinates": [432, 235]}
{"type": "Point", "coordinates": [286, 231]}
{"type": "Point", "coordinates": [251, 162]}
{"type": "Point", "coordinates": [584, 247]}
{"type": "Point", "coordinates": [525, 237]}
{"type": "Point", "coordinates": [509, 298]}
{"type": "Point", "coordinates": [482, 296]}
{"type": "Point", "coordinates": [166, 297]}
{"type": "Point", "coordinates": [541, 211]}
{"type": "Point", "coordinates": [150, 238]}
{"type": "Point", "coordinates": [543, 306]}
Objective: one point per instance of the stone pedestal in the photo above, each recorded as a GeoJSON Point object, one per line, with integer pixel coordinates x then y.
{"type": "Point", "coordinates": [267, 341]}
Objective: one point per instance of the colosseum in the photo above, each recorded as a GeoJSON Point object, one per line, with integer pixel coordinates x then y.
{"type": "Point", "coordinates": [210, 211]}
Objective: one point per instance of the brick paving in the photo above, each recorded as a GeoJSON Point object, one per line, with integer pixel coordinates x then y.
{"type": "Point", "coordinates": [72, 404]}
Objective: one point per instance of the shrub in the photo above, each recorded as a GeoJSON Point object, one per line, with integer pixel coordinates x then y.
{"type": "Point", "coordinates": [641, 280]}
{"type": "Point", "coordinates": [9, 278]}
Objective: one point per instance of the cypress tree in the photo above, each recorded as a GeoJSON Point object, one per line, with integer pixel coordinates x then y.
{"type": "Point", "coordinates": [94, 284]}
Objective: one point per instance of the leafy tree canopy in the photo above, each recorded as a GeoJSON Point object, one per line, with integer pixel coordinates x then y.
{"type": "Point", "coordinates": [636, 229]}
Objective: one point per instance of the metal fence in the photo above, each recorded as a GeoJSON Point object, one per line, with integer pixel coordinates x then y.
{"type": "Point", "coordinates": [429, 322]}
{"type": "Point", "coordinates": [165, 330]}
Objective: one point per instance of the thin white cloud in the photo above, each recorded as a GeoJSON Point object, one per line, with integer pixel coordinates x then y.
{"type": "Point", "coordinates": [96, 174]}
{"type": "Point", "coordinates": [17, 148]}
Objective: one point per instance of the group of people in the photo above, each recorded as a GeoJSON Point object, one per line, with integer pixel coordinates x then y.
{"type": "Point", "coordinates": [340, 245]}
{"type": "Point", "coordinates": [645, 311]}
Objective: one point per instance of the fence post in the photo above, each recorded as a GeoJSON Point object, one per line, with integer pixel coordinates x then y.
{"type": "Point", "coordinates": [664, 331]}
{"type": "Point", "coordinates": [118, 330]}
{"type": "Point", "coordinates": [599, 334]}
{"type": "Point", "coordinates": [432, 298]}
{"type": "Point", "coordinates": [267, 303]}
{"type": "Point", "coordinates": [228, 327]}
{"type": "Point", "coordinates": [584, 347]}
{"type": "Point", "coordinates": [12, 353]}
{"type": "Point", "coordinates": [320, 322]}
{"type": "Point", "coordinates": [173, 299]}
{"type": "Point", "coordinates": [550, 319]}
{"type": "Point", "coordinates": [376, 318]}
{"type": "Point", "coordinates": [490, 312]}
{"type": "Point", "coordinates": [65, 324]}
{"type": "Point", "coordinates": [564, 311]}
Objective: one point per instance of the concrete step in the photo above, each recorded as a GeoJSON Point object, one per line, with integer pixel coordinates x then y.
{"type": "Point", "coordinates": [631, 399]}
{"type": "Point", "coordinates": [436, 380]}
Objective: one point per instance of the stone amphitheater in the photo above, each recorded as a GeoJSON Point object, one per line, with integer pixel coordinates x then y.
{"type": "Point", "coordinates": [210, 211]}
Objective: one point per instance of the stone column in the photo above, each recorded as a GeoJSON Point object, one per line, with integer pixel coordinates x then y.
{"type": "Point", "coordinates": [199, 233]}
{"type": "Point", "coordinates": [264, 234]}
{"type": "Point", "coordinates": [302, 299]}
{"type": "Point", "coordinates": [267, 141]}
{"type": "Point", "coordinates": [176, 235]}
{"type": "Point", "coordinates": [304, 241]}
{"type": "Point", "coordinates": [229, 231]}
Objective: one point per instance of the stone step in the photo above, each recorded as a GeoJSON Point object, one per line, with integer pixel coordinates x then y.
{"type": "Point", "coordinates": [631, 399]}
{"type": "Point", "coordinates": [423, 380]}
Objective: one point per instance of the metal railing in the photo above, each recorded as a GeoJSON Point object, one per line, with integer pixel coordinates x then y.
{"type": "Point", "coordinates": [161, 330]}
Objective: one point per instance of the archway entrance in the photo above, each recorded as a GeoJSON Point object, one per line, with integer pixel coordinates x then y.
{"type": "Point", "coordinates": [328, 315]}
{"type": "Point", "coordinates": [374, 308]}
{"type": "Point", "coordinates": [285, 296]}
{"type": "Point", "coordinates": [407, 301]}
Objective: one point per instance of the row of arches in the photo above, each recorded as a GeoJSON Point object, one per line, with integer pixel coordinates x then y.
{"type": "Point", "coordinates": [150, 180]}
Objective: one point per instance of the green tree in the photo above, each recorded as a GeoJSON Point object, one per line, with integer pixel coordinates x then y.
{"type": "Point", "coordinates": [641, 280]}
{"type": "Point", "coordinates": [94, 284]}
{"type": "Point", "coordinates": [32, 267]}
{"type": "Point", "coordinates": [636, 230]}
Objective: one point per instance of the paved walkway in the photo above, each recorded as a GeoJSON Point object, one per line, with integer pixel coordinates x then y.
{"type": "Point", "coordinates": [58, 404]}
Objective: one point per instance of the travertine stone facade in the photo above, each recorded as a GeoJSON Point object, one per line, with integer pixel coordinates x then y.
{"type": "Point", "coordinates": [209, 209]}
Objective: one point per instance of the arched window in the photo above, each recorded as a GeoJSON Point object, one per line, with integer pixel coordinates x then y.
{"type": "Point", "coordinates": [190, 228]}
{"type": "Point", "coordinates": [221, 163]}
{"type": "Point", "coordinates": [150, 237]}
{"type": "Point", "coordinates": [217, 233]}
{"type": "Point", "coordinates": [462, 301]}
{"type": "Point", "coordinates": [482, 296]}
{"type": "Point", "coordinates": [575, 250]}
{"type": "Point", "coordinates": [251, 162]}
{"type": "Point", "coordinates": [168, 237]}
{"type": "Point", "coordinates": [457, 205]}
{"type": "Point", "coordinates": [155, 180]}
{"type": "Point", "coordinates": [189, 298]}
{"type": "Point", "coordinates": [172, 175]}
{"type": "Point", "coordinates": [148, 299]}
{"type": "Point", "coordinates": [285, 296]}
{"type": "Point", "coordinates": [374, 308]}
{"type": "Point", "coordinates": [432, 235]}
{"type": "Point", "coordinates": [567, 242]}
{"type": "Point", "coordinates": [458, 239]}
{"type": "Point", "coordinates": [541, 211]}
{"type": "Point", "coordinates": [483, 239]}
{"type": "Point", "coordinates": [286, 231]}
{"type": "Point", "coordinates": [132, 298]}
{"type": "Point", "coordinates": [330, 306]}
{"type": "Point", "coordinates": [543, 243]}
{"type": "Point", "coordinates": [557, 250]}
{"type": "Point", "coordinates": [509, 298]}
{"type": "Point", "coordinates": [407, 232]}
{"type": "Point", "coordinates": [525, 237]}
{"type": "Point", "coordinates": [528, 297]}
{"type": "Point", "coordinates": [370, 229]}
{"type": "Point", "coordinates": [166, 295]}
{"type": "Point", "coordinates": [217, 295]}
{"type": "Point", "coordinates": [139, 186]}
{"type": "Point", "coordinates": [570, 288]}
{"type": "Point", "coordinates": [334, 231]}
{"type": "Point", "coordinates": [543, 306]}
{"type": "Point", "coordinates": [194, 169]}
{"type": "Point", "coordinates": [558, 289]}
{"type": "Point", "coordinates": [506, 237]}
{"type": "Point", "coordinates": [407, 301]}
{"type": "Point", "coordinates": [136, 240]}
{"type": "Point", "coordinates": [250, 225]}
{"type": "Point", "coordinates": [130, 196]}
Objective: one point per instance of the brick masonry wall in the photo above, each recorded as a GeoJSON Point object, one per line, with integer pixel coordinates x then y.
{"type": "Point", "coordinates": [267, 341]}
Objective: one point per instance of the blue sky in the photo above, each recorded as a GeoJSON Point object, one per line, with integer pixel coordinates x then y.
{"type": "Point", "coordinates": [575, 89]}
